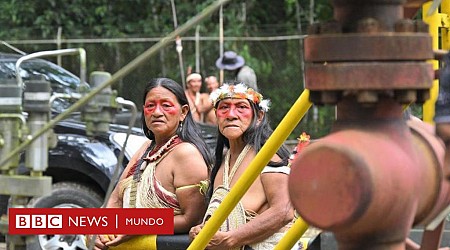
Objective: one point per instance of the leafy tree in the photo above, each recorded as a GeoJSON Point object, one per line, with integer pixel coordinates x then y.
{"type": "Point", "coordinates": [277, 63]}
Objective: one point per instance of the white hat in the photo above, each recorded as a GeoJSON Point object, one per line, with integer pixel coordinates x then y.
{"type": "Point", "coordinates": [193, 76]}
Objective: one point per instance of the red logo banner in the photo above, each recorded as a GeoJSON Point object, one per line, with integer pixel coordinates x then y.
{"type": "Point", "coordinates": [90, 221]}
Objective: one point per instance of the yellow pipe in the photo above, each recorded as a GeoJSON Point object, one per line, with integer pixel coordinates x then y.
{"type": "Point", "coordinates": [292, 235]}
{"type": "Point", "coordinates": [269, 149]}
{"type": "Point", "coordinates": [434, 22]}
{"type": "Point", "coordinates": [138, 242]}
{"type": "Point", "coordinates": [445, 24]}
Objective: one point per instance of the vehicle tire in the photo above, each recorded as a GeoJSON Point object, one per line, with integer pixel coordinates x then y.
{"type": "Point", "coordinates": [68, 194]}
{"type": "Point", "coordinates": [64, 194]}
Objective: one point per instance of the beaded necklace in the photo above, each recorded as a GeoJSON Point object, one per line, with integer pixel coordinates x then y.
{"type": "Point", "coordinates": [228, 173]}
{"type": "Point", "coordinates": [158, 152]}
{"type": "Point", "coordinates": [150, 156]}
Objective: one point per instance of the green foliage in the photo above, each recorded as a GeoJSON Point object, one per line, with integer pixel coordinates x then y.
{"type": "Point", "coordinates": [323, 10]}
{"type": "Point", "coordinates": [417, 110]}
{"type": "Point", "coordinates": [263, 67]}
{"type": "Point", "coordinates": [277, 63]}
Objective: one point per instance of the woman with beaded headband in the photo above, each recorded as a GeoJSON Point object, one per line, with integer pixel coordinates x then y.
{"type": "Point", "coordinates": [169, 171]}
{"type": "Point", "coordinates": [264, 212]}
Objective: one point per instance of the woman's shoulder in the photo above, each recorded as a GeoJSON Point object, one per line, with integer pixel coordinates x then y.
{"type": "Point", "coordinates": [186, 149]}
{"type": "Point", "coordinates": [187, 154]}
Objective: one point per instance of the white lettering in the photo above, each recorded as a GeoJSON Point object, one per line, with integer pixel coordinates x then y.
{"type": "Point", "coordinates": [23, 221]}
{"type": "Point", "coordinates": [96, 221]}
{"type": "Point", "coordinates": [84, 221]}
{"type": "Point", "coordinates": [128, 221]}
{"type": "Point", "coordinates": [144, 221]}
{"type": "Point", "coordinates": [54, 221]}
{"type": "Point", "coordinates": [73, 222]}
{"type": "Point", "coordinates": [39, 221]}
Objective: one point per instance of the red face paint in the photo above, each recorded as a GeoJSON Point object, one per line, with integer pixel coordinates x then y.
{"type": "Point", "coordinates": [234, 108]}
{"type": "Point", "coordinates": [163, 106]}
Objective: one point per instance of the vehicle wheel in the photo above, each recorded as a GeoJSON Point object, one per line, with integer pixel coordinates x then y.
{"type": "Point", "coordinates": [67, 195]}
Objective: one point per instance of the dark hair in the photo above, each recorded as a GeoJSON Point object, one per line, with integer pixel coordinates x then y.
{"type": "Point", "coordinates": [256, 135]}
{"type": "Point", "coordinates": [189, 133]}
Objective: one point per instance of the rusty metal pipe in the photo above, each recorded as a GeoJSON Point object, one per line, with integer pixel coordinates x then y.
{"type": "Point", "coordinates": [378, 177]}
{"type": "Point", "coordinates": [432, 151]}
{"type": "Point", "coordinates": [344, 184]}
{"type": "Point", "coordinates": [375, 176]}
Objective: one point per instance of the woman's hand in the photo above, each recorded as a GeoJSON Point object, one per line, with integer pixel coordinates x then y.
{"type": "Point", "coordinates": [220, 241]}
{"type": "Point", "coordinates": [217, 242]}
{"type": "Point", "coordinates": [100, 241]}
{"type": "Point", "coordinates": [117, 239]}
{"type": "Point", "coordinates": [195, 231]}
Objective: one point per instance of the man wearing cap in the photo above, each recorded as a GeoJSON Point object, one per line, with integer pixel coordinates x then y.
{"type": "Point", "coordinates": [197, 102]}
{"type": "Point", "coordinates": [233, 62]}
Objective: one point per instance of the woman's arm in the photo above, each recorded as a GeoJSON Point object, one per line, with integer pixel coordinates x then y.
{"type": "Point", "coordinates": [279, 213]}
{"type": "Point", "coordinates": [191, 169]}
{"type": "Point", "coordinates": [114, 201]}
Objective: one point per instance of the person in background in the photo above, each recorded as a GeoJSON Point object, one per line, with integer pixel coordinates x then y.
{"type": "Point", "coordinates": [232, 62]}
{"type": "Point", "coordinates": [197, 102]}
{"type": "Point", "coordinates": [265, 212]}
{"type": "Point", "coordinates": [170, 170]}
{"type": "Point", "coordinates": [211, 84]}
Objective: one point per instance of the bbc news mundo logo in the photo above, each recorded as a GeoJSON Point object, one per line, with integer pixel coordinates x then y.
{"type": "Point", "coordinates": [39, 221]}
{"type": "Point", "coordinates": [90, 221]}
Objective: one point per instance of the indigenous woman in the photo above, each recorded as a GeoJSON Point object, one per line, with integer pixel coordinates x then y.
{"type": "Point", "coordinates": [264, 212]}
{"type": "Point", "coordinates": [169, 171]}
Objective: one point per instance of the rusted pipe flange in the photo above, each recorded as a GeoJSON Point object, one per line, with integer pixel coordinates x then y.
{"type": "Point", "coordinates": [369, 76]}
{"type": "Point", "coordinates": [368, 47]}
{"type": "Point", "coordinates": [408, 81]}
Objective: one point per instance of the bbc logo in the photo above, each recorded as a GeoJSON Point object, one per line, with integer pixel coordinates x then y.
{"type": "Point", "coordinates": [39, 221]}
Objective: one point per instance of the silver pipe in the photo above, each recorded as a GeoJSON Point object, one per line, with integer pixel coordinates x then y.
{"type": "Point", "coordinates": [79, 51]}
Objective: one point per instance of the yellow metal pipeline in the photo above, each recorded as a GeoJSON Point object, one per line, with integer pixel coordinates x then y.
{"type": "Point", "coordinates": [292, 235]}
{"type": "Point", "coordinates": [436, 21]}
{"type": "Point", "coordinates": [445, 24]}
{"type": "Point", "coordinates": [279, 135]}
{"type": "Point", "coordinates": [138, 242]}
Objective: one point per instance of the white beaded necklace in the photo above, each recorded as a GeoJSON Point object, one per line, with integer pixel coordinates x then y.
{"type": "Point", "coordinates": [227, 177]}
